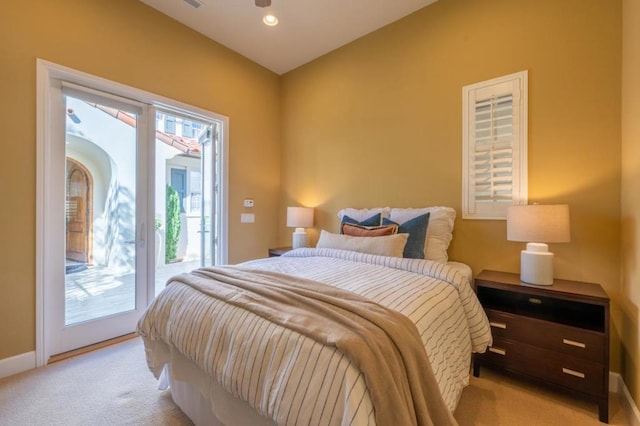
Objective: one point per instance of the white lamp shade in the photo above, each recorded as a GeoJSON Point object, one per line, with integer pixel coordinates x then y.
{"type": "Point", "coordinates": [299, 217]}
{"type": "Point", "coordinates": [539, 223]}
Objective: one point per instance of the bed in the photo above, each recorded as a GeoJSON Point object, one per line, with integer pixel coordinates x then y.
{"type": "Point", "coordinates": [235, 356]}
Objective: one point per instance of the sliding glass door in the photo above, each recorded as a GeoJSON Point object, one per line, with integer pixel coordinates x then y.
{"type": "Point", "coordinates": [131, 191]}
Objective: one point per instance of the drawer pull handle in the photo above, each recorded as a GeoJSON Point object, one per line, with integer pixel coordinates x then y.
{"type": "Point", "coordinates": [574, 343]}
{"type": "Point", "coordinates": [501, 325]}
{"type": "Point", "coordinates": [535, 301]}
{"type": "Point", "coordinates": [498, 351]}
{"type": "Point", "coordinates": [573, 373]}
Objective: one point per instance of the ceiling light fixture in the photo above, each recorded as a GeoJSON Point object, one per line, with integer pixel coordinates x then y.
{"type": "Point", "coordinates": [194, 3]}
{"type": "Point", "coordinates": [270, 20]}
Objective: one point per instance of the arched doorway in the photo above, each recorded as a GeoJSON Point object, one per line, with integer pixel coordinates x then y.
{"type": "Point", "coordinates": [79, 213]}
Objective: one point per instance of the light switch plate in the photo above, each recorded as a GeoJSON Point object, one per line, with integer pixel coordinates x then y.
{"type": "Point", "coordinates": [248, 203]}
{"type": "Point", "coordinates": [247, 218]}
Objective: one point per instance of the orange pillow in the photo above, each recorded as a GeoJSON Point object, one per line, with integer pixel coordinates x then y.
{"type": "Point", "coordinates": [368, 231]}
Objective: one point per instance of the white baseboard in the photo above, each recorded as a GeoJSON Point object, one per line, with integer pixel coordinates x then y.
{"type": "Point", "coordinates": [17, 364]}
{"type": "Point", "coordinates": [617, 385]}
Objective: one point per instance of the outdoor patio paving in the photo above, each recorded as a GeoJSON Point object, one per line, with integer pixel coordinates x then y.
{"type": "Point", "coordinates": [98, 291]}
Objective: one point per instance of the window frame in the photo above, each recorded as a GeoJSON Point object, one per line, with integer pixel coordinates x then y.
{"type": "Point", "coordinates": [517, 85]}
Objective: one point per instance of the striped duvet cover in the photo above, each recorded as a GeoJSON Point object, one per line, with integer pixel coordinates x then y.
{"type": "Point", "coordinates": [309, 383]}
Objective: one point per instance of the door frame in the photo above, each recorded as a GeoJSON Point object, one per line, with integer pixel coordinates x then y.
{"type": "Point", "coordinates": [48, 232]}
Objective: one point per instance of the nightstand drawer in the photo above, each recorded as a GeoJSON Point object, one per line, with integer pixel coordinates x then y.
{"type": "Point", "coordinates": [547, 365]}
{"type": "Point", "coordinates": [580, 343]}
{"type": "Point", "coordinates": [501, 354]}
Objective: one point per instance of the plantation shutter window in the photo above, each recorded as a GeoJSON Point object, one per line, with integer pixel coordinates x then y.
{"type": "Point", "coordinates": [494, 146]}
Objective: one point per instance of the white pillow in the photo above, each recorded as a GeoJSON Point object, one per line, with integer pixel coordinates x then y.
{"type": "Point", "coordinates": [388, 245]}
{"type": "Point", "coordinates": [362, 214]}
{"type": "Point", "coordinates": [439, 230]}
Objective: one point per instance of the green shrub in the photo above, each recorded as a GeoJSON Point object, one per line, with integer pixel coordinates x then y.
{"type": "Point", "coordinates": [173, 224]}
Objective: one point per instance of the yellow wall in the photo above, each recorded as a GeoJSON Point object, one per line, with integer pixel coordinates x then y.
{"type": "Point", "coordinates": [631, 196]}
{"type": "Point", "coordinates": [128, 42]}
{"type": "Point", "coordinates": [378, 122]}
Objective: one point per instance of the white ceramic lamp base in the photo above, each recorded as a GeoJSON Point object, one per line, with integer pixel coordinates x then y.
{"type": "Point", "coordinates": [299, 238]}
{"type": "Point", "coordinates": [536, 264]}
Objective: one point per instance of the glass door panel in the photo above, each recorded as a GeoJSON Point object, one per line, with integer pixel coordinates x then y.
{"type": "Point", "coordinates": [100, 211]}
{"type": "Point", "coordinates": [183, 182]}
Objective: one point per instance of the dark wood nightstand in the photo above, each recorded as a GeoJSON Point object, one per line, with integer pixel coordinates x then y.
{"type": "Point", "coordinates": [556, 335]}
{"type": "Point", "coordinates": [278, 251]}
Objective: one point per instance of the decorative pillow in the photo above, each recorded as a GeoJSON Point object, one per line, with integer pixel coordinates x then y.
{"type": "Point", "coordinates": [439, 231]}
{"type": "Point", "coordinates": [362, 214]}
{"type": "Point", "coordinates": [371, 221]}
{"type": "Point", "coordinates": [388, 245]}
{"type": "Point", "coordinates": [417, 230]}
{"type": "Point", "coordinates": [368, 231]}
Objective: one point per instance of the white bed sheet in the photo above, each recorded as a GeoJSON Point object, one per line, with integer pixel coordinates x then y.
{"type": "Point", "coordinates": [463, 268]}
{"type": "Point", "coordinates": [449, 334]}
{"type": "Point", "coordinates": [205, 401]}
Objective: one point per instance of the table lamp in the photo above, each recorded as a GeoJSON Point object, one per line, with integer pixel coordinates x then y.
{"type": "Point", "coordinates": [537, 225]}
{"type": "Point", "coordinates": [299, 218]}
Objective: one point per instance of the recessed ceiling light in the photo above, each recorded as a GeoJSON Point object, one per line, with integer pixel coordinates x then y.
{"type": "Point", "coordinates": [194, 3]}
{"type": "Point", "coordinates": [270, 20]}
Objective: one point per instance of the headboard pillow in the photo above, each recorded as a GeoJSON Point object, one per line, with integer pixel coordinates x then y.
{"type": "Point", "coordinates": [374, 220]}
{"type": "Point", "coordinates": [368, 231]}
{"type": "Point", "coordinates": [388, 245]}
{"type": "Point", "coordinates": [416, 228]}
{"type": "Point", "coordinates": [362, 214]}
{"type": "Point", "coordinates": [439, 231]}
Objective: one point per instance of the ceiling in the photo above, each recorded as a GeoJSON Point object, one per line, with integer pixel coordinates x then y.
{"type": "Point", "coordinates": [307, 29]}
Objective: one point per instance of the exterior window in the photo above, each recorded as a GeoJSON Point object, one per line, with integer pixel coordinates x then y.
{"type": "Point", "coordinates": [494, 139]}
{"type": "Point", "coordinates": [170, 124]}
{"type": "Point", "coordinates": [187, 130]}
{"type": "Point", "coordinates": [196, 128]}
{"type": "Point", "coordinates": [195, 191]}
{"type": "Point", "coordinates": [191, 129]}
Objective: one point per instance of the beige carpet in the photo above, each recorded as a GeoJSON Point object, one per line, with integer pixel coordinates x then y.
{"type": "Point", "coordinates": [112, 386]}
{"type": "Point", "coordinates": [497, 399]}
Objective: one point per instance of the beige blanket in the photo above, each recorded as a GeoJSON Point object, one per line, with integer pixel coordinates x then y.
{"type": "Point", "coordinates": [382, 343]}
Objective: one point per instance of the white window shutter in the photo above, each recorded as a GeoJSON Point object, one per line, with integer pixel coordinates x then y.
{"type": "Point", "coordinates": [494, 163]}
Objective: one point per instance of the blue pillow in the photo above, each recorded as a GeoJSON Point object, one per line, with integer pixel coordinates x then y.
{"type": "Point", "coordinates": [371, 221]}
{"type": "Point", "coordinates": [417, 230]}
